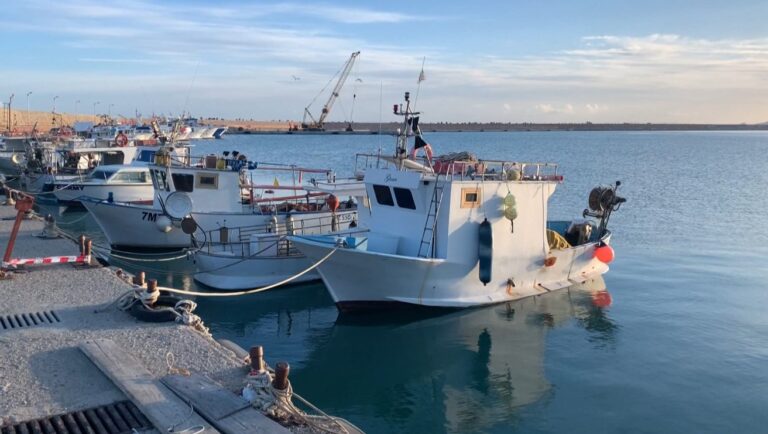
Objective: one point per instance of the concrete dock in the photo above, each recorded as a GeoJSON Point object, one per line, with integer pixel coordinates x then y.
{"type": "Point", "coordinates": [44, 372]}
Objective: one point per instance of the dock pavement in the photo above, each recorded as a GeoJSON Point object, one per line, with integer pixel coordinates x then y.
{"type": "Point", "coordinates": [44, 371]}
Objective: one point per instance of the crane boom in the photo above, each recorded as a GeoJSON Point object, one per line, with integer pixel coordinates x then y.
{"type": "Point", "coordinates": [318, 124]}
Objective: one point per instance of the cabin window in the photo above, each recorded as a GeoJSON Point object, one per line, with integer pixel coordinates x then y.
{"type": "Point", "coordinates": [112, 158]}
{"type": "Point", "coordinates": [470, 197]}
{"type": "Point", "coordinates": [101, 174]}
{"type": "Point", "coordinates": [404, 198]}
{"type": "Point", "coordinates": [183, 182]}
{"type": "Point", "coordinates": [383, 195]}
{"type": "Point", "coordinates": [159, 180]}
{"type": "Point", "coordinates": [132, 177]}
{"type": "Point", "coordinates": [207, 180]}
{"type": "Point", "coordinates": [146, 156]}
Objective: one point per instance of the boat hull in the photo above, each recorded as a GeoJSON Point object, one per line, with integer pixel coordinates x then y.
{"type": "Point", "coordinates": [135, 227]}
{"type": "Point", "coordinates": [131, 193]}
{"type": "Point", "coordinates": [358, 279]}
{"type": "Point", "coordinates": [228, 271]}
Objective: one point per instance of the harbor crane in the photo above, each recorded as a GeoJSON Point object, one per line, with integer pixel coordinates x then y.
{"type": "Point", "coordinates": [318, 124]}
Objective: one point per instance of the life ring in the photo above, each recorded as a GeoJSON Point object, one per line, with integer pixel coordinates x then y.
{"type": "Point", "coordinates": [427, 150]}
{"type": "Point", "coordinates": [160, 313]}
{"type": "Point", "coordinates": [121, 139]}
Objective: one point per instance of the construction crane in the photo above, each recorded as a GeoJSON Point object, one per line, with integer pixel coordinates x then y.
{"type": "Point", "coordinates": [318, 124]}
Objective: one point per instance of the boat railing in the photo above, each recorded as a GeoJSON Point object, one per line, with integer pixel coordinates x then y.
{"type": "Point", "coordinates": [272, 237]}
{"type": "Point", "coordinates": [465, 169]}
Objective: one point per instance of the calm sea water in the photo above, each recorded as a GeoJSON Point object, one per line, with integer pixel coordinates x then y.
{"type": "Point", "coordinates": [683, 347]}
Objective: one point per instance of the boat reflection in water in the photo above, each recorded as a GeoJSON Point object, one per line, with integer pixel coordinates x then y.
{"type": "Point", "coordinates": [415, 370]}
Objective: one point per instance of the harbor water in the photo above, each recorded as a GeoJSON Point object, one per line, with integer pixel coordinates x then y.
{"type": "Point", "coordinates": [683, 347]}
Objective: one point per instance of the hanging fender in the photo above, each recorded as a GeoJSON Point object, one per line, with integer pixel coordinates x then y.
{"type": "Point", "coordinates": [485, 251]}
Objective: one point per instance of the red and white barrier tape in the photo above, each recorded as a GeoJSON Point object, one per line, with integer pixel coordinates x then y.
{"type": "Point", "coordinates": [47, 260]}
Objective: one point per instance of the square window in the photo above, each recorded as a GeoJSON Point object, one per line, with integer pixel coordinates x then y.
{"type": "Point", "coordinates": [207, 180]}
{"type": "Point", "coordinates": [470, 197]}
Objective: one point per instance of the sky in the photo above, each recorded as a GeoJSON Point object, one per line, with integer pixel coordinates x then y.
{"type": "Point", "coordinates": [504, 60]}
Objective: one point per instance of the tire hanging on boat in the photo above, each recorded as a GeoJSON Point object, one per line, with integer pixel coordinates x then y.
{"type": "Point", "coordinates": [485, 251]}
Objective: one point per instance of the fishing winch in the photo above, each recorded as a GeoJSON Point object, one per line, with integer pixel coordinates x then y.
{"type": "Point", "coordinates": [602, 202]}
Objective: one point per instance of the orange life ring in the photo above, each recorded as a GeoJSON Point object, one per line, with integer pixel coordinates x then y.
{"type": "Point", "coordinates": [427, 150]}
{"type": "Point", "coordinates": [121, 140]}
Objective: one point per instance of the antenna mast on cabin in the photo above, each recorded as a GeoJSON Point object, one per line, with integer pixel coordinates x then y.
{"type": "Point", "coordinates": [318, 124]}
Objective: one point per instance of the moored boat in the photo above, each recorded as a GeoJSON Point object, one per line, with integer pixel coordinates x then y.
{"type": "Point", "coordinates": [456, 231]}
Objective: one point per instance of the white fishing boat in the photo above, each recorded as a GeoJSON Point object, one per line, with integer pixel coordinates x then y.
{"type": "Point", "coordinates": [201, 200]}
{"type": "Point", "coordinates": [261, 254]}
{"type": "Point", "coordinates": [127, 182]}
{"type": "Point", "coordinates": [130, 184]}
{"type": "Point", "coordinates": [460, 232]}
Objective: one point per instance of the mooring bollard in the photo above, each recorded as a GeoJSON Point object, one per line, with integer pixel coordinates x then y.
{"type": "Point", "coordinates": [138, 278]}
{"type": "Point", "coordinates": [50, 230]}
{"type": "Point", "coordinates": [151, 285]}
{"type": "Point", "coordinates": [257, 358]}
{"type": "Point", "coordinates": [81, 243]}
{"type": "Point", "coordinates": [281, 376]}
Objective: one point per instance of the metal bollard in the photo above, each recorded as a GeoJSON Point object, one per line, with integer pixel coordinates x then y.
{"type": "Point", "coordinates": [81, 243]}
{"type": "Point", "coordinates": [257, 358]}
{"type": "Point", "coordinates": [50, 230]}
{"type": "Point", "coordinates": [281, 376]}
{"type": "Point", "coordinates": [151, 285]}
{"type": "Point", "coordinates": [138, 278]}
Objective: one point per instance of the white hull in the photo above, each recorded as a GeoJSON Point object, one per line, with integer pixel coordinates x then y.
{"type": "Point", "coordinates": [131, 193]}
{"type": "Point", "coordinates": [358, 278]}
{"type": "Point", "coordinates": [135, 227]}
{"type": "Point", "coordinates": [229, 271]}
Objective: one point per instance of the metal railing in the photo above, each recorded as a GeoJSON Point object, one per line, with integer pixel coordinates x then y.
{"type": "Point", "coordinates": [273, 235]}
{"type": "Point", "coordinates": [487, 170]}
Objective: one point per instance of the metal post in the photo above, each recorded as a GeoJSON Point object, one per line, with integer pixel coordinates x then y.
{"type": "Point", "coordinates": [281, 376]}
{"type": "Point", "coordinates": [257, 358]}
{"type": "Point", "coordinates": [22, 206]}
{"type": "Point", "coordinates": [138, 278]}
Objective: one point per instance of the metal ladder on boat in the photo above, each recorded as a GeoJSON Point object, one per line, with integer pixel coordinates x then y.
{"type": "Point", "coordinates": [427, 246]}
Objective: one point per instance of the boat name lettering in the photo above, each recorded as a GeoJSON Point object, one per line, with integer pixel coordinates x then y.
{"type": "Point", "coordinates": [73, 187]}
{"type": "Point", "coordinates": [390, 178]}
{"type": "Point", "coordinates": [149, 216]}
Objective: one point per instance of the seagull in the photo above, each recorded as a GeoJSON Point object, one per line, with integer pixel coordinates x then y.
{"type": "Point", "coordinates": [360, 80]}
{"type": "Point", "coordinates": [295, 78]}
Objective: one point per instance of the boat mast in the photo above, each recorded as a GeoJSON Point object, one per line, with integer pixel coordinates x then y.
{"type": "Point", "coordinates": [401, 145]}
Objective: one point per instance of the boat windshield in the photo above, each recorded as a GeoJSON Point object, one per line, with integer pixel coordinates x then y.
{"type": "Point", "coordinates": [101, 174]}
{"type": "Point", "coordinates": [131, 177]}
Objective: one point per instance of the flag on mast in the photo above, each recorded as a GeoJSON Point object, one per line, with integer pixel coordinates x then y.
{"type": "Point", "coordinates": [422, 77]}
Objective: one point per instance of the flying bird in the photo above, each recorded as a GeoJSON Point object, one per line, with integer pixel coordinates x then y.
{"type": "Point", "coordinates": [295, 78]}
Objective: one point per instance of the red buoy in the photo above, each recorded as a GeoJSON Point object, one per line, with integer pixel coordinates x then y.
{"type": "Point", "coordinates": [604, 254]}
{"type": "Point", "coordinates": [332, 202]}
{"type": "Point", "coordinates": [601, 299]}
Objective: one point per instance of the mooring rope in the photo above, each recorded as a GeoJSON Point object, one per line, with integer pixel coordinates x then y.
{"type": "Point", "coordinates": [254, 290]}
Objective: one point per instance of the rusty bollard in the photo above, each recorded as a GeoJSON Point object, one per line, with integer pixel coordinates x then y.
{"type": "Point", "coordinates": [138, 278]}
{"type": "Point", "coordinates": [281, 376]}
{"type": "Point", "coordinates": [257, 358]}
{"type": "Point", "coordinates": [151, 288]}
{"type": "Point", "coordinates": [81, 243]}
{"type": "Point", "coordinates": [88, 249]}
